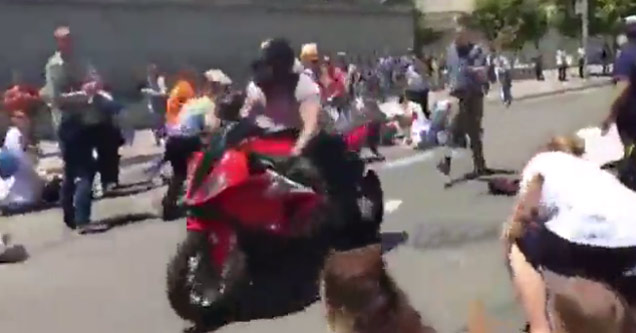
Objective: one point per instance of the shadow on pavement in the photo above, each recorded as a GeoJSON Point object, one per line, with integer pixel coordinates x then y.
{"type": "Point", "coordinates": [472, 176]}
{"type": "Point", "coordinates": [121, 191]}
{"type": "Point", "coordinates": [130, 189]}
{"type": "Point", "coordinates": [141, 159]}
{"type": "Point", "coordinates": [11, 211]}
{"type": "Point", "coordinates": [109, 223]}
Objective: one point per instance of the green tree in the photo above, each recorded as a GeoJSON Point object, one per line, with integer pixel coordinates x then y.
{"type": "Point", "coordinates": [512, 23]}
{"type": "Point", "coordinates": [605, 16]}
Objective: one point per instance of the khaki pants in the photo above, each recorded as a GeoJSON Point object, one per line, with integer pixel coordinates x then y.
{"type": "Point", "coordinates": [468, 122]}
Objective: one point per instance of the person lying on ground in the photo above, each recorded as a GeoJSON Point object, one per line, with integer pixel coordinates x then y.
{"type": "Point", "coordinates": [571, 219]}
{"type": "Point", "coordinates": [21, 185]}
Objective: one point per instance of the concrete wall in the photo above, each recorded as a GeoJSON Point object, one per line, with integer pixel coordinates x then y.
{"type": "Point", "coordinates": [121, 37]}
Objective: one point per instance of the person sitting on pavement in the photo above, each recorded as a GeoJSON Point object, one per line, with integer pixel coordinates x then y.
{"type": "Point", "coordinates": [571, 219]}
{"type": "Point", "coordinates": [20, 184]}
{"type": "Point", "coordinates": [196, 120]}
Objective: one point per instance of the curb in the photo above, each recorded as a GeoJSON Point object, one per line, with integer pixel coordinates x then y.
{"type": "Point", "coordinates": [556, 92]}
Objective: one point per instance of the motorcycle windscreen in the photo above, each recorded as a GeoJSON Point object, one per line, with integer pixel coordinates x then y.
{"type": "Point", "coordinates": [230, 171]}
{"type": "Point", "coordinates": [270, 202]}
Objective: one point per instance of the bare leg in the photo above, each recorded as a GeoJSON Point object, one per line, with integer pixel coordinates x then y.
{"type": "Point", "coordinates": [531, 291]}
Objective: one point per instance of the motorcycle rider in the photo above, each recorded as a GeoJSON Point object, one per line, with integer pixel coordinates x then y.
{"type": "Point", "coordinates": [281, 101]}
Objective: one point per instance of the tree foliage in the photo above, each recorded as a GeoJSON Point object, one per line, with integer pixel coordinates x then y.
{"type": "Point", "coordinates": [605, 16]}
{"type": "Point", "coordinates": [512, 23]}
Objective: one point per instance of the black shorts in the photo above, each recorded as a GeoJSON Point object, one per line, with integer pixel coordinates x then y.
{"type": "Point", "coordinates": [545, 249]}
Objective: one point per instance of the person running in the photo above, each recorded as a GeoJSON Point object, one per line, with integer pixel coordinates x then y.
{"type": "Point", "coordinates": [467, 73]}
{"type": "Point", "coordinates": [623, 107]}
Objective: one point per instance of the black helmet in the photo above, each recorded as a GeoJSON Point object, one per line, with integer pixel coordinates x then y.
{"type": "Point", "coordinates": [277, 54]}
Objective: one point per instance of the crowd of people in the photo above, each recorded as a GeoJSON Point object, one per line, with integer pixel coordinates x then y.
{"type": "Point", "coordinates": [558, 223]}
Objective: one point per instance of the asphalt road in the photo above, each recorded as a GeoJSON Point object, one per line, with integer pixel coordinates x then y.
{"type": "Point", "coordinates": [114, 282]}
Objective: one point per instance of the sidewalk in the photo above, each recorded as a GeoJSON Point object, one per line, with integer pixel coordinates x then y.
{"type": "Point", "coordinates": [527, 89]}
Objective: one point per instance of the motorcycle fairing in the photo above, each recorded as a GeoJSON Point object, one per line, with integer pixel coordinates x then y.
{"type": "Point", "coordinates": [267, 202]}
{"type": "Point", "coordinates": [356, 138]}
{"type": "Point", "coordinates": [263, 201]}
{"type": "Point", "coordinates": [232, 168]}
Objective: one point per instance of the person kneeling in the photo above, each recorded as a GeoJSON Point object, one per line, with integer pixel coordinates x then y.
{"type": "Point", "coordinates": [562, 237]}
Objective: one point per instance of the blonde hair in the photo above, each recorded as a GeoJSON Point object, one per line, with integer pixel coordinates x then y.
{"type": "Point", "coordinates": [567, 144]}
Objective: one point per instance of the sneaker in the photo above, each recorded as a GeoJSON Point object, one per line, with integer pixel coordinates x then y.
{"type": "Point", "coordinates": [92, 228]}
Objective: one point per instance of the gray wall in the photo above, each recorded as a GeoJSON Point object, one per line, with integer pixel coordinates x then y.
{"type": "Point", "coordinates": [120, 38]}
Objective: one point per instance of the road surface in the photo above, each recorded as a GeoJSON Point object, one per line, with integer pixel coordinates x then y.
{"type": "Point", "coordinates": [114, 282]}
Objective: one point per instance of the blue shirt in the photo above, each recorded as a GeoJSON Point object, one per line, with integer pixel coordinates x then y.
{"type": "Point", "coordinates": [625, 70]}
{"type": "Point", "coordinates": [459, 59]}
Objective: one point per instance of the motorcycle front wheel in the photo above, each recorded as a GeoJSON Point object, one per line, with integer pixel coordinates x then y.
{"type": "Point", "coordinates": [199, 292]}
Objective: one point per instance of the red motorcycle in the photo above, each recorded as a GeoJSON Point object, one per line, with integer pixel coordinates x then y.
{"type": "Point", "coordinates": [250, 225]}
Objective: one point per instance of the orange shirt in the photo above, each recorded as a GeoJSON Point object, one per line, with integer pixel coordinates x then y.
{"type": "Point", "coordinates": [179, 95]}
